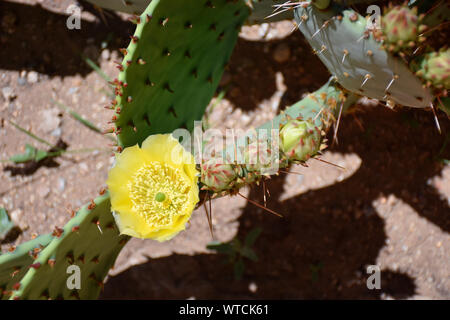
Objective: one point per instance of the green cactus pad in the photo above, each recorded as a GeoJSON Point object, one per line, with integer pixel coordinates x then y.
{"type": "Point", "coordinates": [90, 241]}
{"type": "Point", "coordinates": [353, 55]}
{"type": "Point", "coordinates": [173, 65]}
{"type": "Point", "coordinates": [14, 265]}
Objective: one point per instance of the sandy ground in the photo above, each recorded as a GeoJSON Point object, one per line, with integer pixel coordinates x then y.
{"type": "Point", "coordinates": [403, 226]}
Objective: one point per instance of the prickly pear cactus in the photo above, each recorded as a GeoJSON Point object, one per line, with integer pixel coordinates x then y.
{"type": "Point", "coordinates": [167, 77]}
{"type": "Point", "coordinates": [90, 241]}
{"type": "Point", "coordinates": [301, 130]}
{"type": "Point", "coordinates": [300, 139]}
{"type": "Point", "coordinates": [14, 264]}
{"type": "Point", "coordinates": [354, 55]}
{"type": "Point", "coordinates": [401, 27]}
{"type": "Point", "coordinates": [434, 69]}
{"type": "Point", "coordinates": [169, 73]}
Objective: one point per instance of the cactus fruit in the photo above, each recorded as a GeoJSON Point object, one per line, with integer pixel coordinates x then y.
{"type": "Point", "coordinates": [16, 263]}
{"type": "Point", "coordinates": [434, 69]}
{"type": "Point", "coordinates": [258, 157]}
{"type": "Point", "coordinates": [166, 67]}
{"type": "Point", "coordinates": [401, 27]}
{"type": "Point", "coordinates": [299, 139]}
{"type": "Point", "coordinates": [89, 241]}
{"type": "Point", "coordinates": [353, 54]}
{"type": "Point", "coordinates": [217, 176]}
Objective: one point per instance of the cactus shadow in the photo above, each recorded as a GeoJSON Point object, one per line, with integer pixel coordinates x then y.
{"type": "Point", "coordinates": [33, 38]}
{"type": "Point", "coordinates": [321, 247]}
{"type": "Point", "coordinates": [401, 151]}
{"type": "Point", "coordinates": [250, 77]}
{"type": "Point", "coordinates": [308, 254]}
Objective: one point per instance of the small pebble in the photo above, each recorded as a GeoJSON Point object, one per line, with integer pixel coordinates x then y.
{"type": "Point", "coordinates": [32, 77]}
{"type": "Point", "coordinates": [252, 287]}
{"type": "Point", "coordinates": [8, 93]}
{"type": "Point", "coordinates": [57, 132]}
{"type": "Point", "coordinates": [282, 53]}
{"type": "Point", "coordinates": [61, 184]}
{"type": "Point", "coordinates": [43, 192]}
{"type": "Point", "coordinates": [106, 54]}
{"type": "Point", "coordinates": [16, 215]}
{"type": "Point", "coordinates": [21, 81]}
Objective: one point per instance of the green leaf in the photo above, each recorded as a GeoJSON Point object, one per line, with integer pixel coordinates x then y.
{"type": "Point", "coordinates": [31, 154]}
{"type": "Point", "coordinates": [249, 253]}
{"type": "Point", "coordinates": [252, 236]}
{"type": "Point", "coordinates": [5, 223]}
{"type": "Point", "coordinates": [239, 269]}
{"type": "Point", "coordinates": [220, 247]}
{"type": "Point", "coordinates": [78, 117]}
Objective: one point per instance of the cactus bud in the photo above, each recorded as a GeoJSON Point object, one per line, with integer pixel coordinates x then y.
{"type": "Point", "coordinates": [217, 176]}
{"type": "Point", "coordinates": [300, 140]}
{"type": "Point", "coordinates": [435, 67]}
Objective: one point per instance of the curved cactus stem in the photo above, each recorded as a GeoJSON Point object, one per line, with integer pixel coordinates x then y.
{"type": "Point", "coordinates": [326, 100]}
{"type": "Point", "coordinates": [14, 265]}
{"type": "Point", "coordinates": [310, 118]}
{"type": "Point", "coordinates": [355, 57]}
{"type": "Point", "coordinates": [173, 65]}
{"type": "Point", "coordinates": [89, 242]}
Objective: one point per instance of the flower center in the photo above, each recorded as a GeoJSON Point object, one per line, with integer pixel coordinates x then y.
{"type": "Point", "coordinates": [159, 193]}
{"type": "Point", "coordinates": [160, 197]}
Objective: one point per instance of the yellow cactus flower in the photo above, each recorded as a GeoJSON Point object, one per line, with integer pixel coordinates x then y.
{"type": "Point", "coordinates": [153, 189]}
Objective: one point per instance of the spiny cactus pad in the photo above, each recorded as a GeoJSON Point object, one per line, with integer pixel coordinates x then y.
{"type": "Point", "coordinates": [354, 56]}
{"type": "Point", "coordinates": [14, 265]}
{"type": "Point", "coordinates": [90, 241]}
{"type": "Point", "coordinates": [173, 65]}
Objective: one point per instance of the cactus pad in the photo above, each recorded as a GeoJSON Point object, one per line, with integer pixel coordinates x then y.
{"type": "Point", "coordinates": [90, 241]}
{"type": "Point", "coordinates": [173, 65]}
{"type": "Point", "coordinates": [14, 265]}
{"type": "Point", "coordinates": [353, 54]}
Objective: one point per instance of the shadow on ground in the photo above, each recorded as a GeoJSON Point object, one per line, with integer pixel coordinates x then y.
{"type": "Point", "coordinates": [335, 228]}
{"type": "Point", "coordinates": [33, 38]}
{"type": "Point", "coordinates": [250, 76]}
